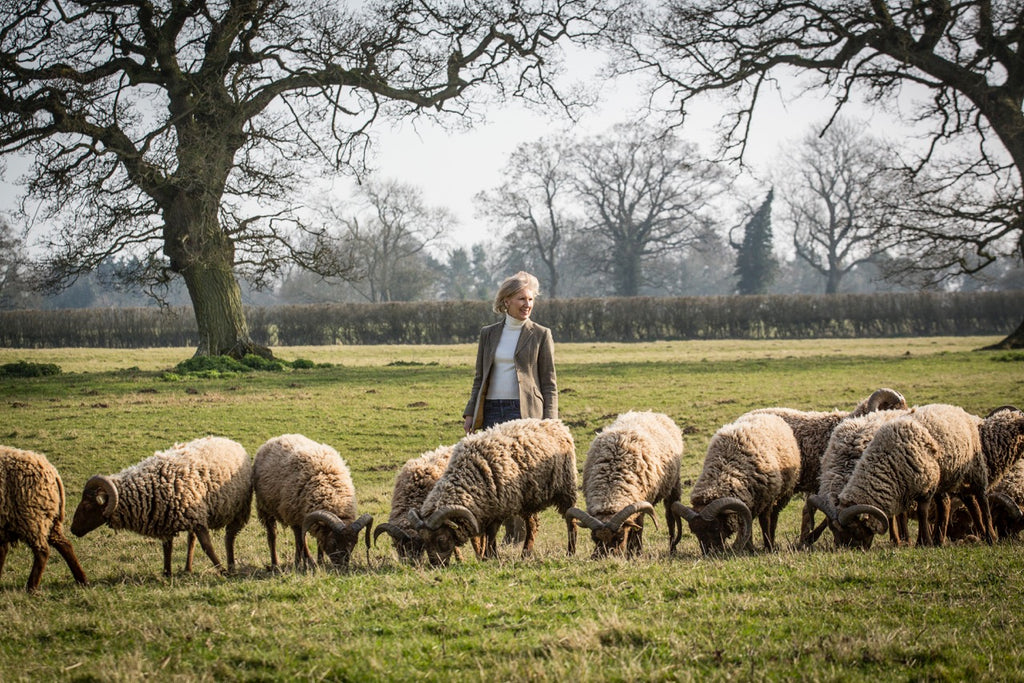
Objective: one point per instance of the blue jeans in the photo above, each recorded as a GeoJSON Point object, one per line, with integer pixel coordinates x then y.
{"type": "Point", "coordinates": [501, 410]}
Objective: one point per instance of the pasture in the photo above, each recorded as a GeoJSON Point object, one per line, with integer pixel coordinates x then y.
{"type": "Point", "coordinates": [950, 613]}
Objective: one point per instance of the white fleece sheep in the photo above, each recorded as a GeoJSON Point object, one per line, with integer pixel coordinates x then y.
{"type": "Point", "coordinates": [307, 486]}
{"type": "Point", "coordinates": [193, 487]}
{"type": "Point", "coordinates": [632, 464]}
{"type": "Point", "coordinates": [32, 510]}
{"type": "Point", "coordinates": [514, 468]}
{"type": "Point", "coordinates": [813, 429]}
{"type": "Point", "coordinates": [412, 484]}
{"type": "Point", "coordinates": [751, 468]}
{"type": "Point", "coordinates": [845, 447]}
{"type": "Point", "coordinates": [966, 451]}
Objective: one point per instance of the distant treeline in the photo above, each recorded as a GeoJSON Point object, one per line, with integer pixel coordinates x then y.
{"type": "Point", "coordinates": [571, 320]}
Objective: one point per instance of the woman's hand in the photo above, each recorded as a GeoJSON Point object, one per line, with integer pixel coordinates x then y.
{"type": "Point", "coordinates": [468, 424]}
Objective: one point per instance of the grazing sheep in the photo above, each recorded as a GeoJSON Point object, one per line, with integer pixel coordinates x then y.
{"type": "Point", "coordinates": [632, 465]}
{"type": "Point", "coordinates": [32, 510]}
{"type": "Point", "coordinates": [307, 486]}
{"type": "Point", "coordinates": [514, 468]}
{"type": "Point", "coordinates": [751, 468]}
{"type": "Point", "coordinates": [1002, 441]}
{"type": "Point", "coordinates": [193, 487]}
{"type": "Point", "coordinates": [813, 429]}
{"type": "Point", "coordinates": [412, 484]}
{"type": "Point", "coordinates": [846, 446]}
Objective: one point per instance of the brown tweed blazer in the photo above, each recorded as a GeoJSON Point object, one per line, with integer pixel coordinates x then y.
{"type": "Point", "coordinates": [535, 368]}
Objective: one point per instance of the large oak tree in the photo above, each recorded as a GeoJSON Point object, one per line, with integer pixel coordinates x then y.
{"type": "Point", "coordinates": [968, 57]}
{"type": "Point", "coordinates": [180, 130]}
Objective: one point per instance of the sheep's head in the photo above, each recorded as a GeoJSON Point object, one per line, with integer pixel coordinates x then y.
{"type": "Point", "coordinates": [334, 537]}
{"type": "Point", "coordinates": [99, 500]}
{"type": "Point", "coordinates": [715, 522]}
{"type": "Point", "coordinates": [843, 537]}
{"type": "Point", "coordinates": [859, 524]}
{"type": "Point", "coordinates": [407, 543]}
{"type": "Point", "coordinates": [444, 531]}
{"type": "Point", "coordinates": [881, 399]}
{"type": "Point", "coordinates": [611, 536]}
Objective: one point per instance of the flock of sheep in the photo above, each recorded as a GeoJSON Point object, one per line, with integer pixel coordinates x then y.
{"type": "Point", "coordinates": [866, 470]}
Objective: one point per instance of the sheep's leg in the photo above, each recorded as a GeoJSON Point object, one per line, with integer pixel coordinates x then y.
{"type": "Point", "coordinates": [924, 531]}
{"type": "Point", "coordinates": [773, 524]}
{"type": "Point", "coordinates": [271, 527]}
{"type": "Point", "coordinates": [40, 553]}
{"type": "Point", "coordinates": [531, 534]}
{"type": "Point", "coordinates": [479, 545]}
{"type": "Point", "coordinates": [190, 551]}
{"type": "Point", "coordinates": [491, 540]}
{"type": "Point", "coordinates": [3, 556]}
{"type": "Point", "coordinates": [675, 526]}
{"type": "Point", "coordinates": [203, 534]}
{"type": "Point", "coordinates": [764, 521]}
{"type": "Point", "coordinates": [807, 527]}
{"type": "Point", "coordinates": [943, 505]}
{"type": "Point", "coordinates": [570, 529]}
{"type": "Point", "coordinates": [981, 515]}
{"type": "Point", "coordinates": [168, 544]}
{"type": "Point", "coordinates": [230, 533]}
{"type": "Point", "coordinates": [303, 558]}
{"type": "Point", "coordinates": [515, 528]}
{"type": "Point", "coordinates": [67, 551]}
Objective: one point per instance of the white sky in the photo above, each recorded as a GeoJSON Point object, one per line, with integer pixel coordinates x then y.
{"type": "Point", "coordinates": [452, 167]}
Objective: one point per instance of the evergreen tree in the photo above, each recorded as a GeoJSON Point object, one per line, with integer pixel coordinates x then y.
{"type": "Point", "coordinates": [756, 264]}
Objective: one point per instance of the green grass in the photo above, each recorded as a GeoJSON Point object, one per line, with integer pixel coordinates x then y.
{"type": "Point", "coordinates": [948, 613]}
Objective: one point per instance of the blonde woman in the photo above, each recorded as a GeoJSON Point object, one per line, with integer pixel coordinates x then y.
{"type": "Point", "coordinates": [515, 362]}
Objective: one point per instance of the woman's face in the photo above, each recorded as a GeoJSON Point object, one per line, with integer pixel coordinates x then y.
{"type": "Point", "coordinates": [520, 304]}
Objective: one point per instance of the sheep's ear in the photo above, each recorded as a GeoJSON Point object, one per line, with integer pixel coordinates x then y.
{"type": "Point", "coordinates": [101, 498]}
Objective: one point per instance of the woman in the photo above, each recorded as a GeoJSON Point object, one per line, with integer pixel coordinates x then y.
{"type": "Point", "coordinates": [515, 362]}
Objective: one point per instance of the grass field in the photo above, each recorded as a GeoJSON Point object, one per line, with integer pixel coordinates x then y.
{"type": "Point", "coordinates": [950, 613]}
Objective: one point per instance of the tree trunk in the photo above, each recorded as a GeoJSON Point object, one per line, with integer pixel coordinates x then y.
{"type": "Point", "coordinates": [217, 304]}
{"type": "Point", "coordinates": [1014, 341]}
{"type": "Point", "coordinates": [204, 256]}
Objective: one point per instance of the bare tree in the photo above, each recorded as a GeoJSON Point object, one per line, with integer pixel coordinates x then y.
{"type": "Point", "coordinates": [644, 194]}
{"type": "Point", "coordinates": [967, 56]}
{"type": "Point", "coordinates": [532, 203]}
{"type": "Point", "coordinates": [389, 241]}
{"type": "Point", "coordinates": [178, 129]}
{"type": "Point", "coordinates": [837, 189]}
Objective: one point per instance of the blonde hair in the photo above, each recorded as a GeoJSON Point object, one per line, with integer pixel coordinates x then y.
{"type": "Point", "coordinates": [511, 286]}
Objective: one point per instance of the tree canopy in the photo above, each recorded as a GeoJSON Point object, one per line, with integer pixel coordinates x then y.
{"type": "Point", "coordinates": [180, 129]}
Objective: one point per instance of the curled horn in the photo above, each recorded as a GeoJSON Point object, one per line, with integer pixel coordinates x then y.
{"type": "Point", "coordinates": [1009, 504]}
{"type": "Point", "coordinates": [588, 520]}
{"type": "Point", "coordinates": [720, 506]}
{"type": "Point", "coordinates": [847, 515]}
{"type": "Point", "coordinates": [451, 514]}
{"type": "Point", "coordinates": [643, 507]}
{"type": "Point", "coordinates": [885, 399]}
{"type": "Point", "coordinates": [684, 511]}
{"type": "Point", "coordinates": [417, 521]}
{"type": "Point", "coordinates": [826, 507]}
{"type": "Point", "coordinates": [365, 520]}
{"type": "Point", "coordinates": [1001, 409]}
{"type": "Point", "coordinates": [396, 532]}
{"type": "Point", "coordinates": [322, 517]}
{"type": "Point", "coordinates": [105, 484]}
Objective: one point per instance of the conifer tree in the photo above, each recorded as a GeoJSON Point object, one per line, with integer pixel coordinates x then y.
{"type": "Point", "coordinates": [756, 264]}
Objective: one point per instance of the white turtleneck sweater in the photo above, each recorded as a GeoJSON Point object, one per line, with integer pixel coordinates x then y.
{"type": "Point", "coordinates": [504, 382]}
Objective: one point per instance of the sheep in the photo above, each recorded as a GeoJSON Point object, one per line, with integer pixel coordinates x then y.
{"type": "Point", "coordinates": [845, 447]}
{"type": "Point", "coordinates": [813, 429]}
{"type": "Point", "coordinates": [751, 468]}
{"type": "Point", "coordinates": [518, 467]}
{"type": "Point", "coordinates": [932, 452]}
{"type": "Point", "coordinates": [631, 465]}
{"type": "Point", "coordinates": [32, 510]}
{"type": "Point", "coordinates": [194, 487]}
{"type": "Point", "coordinates": [412, 484]}
{"type": "Point", "coordinates": [307, 486]}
